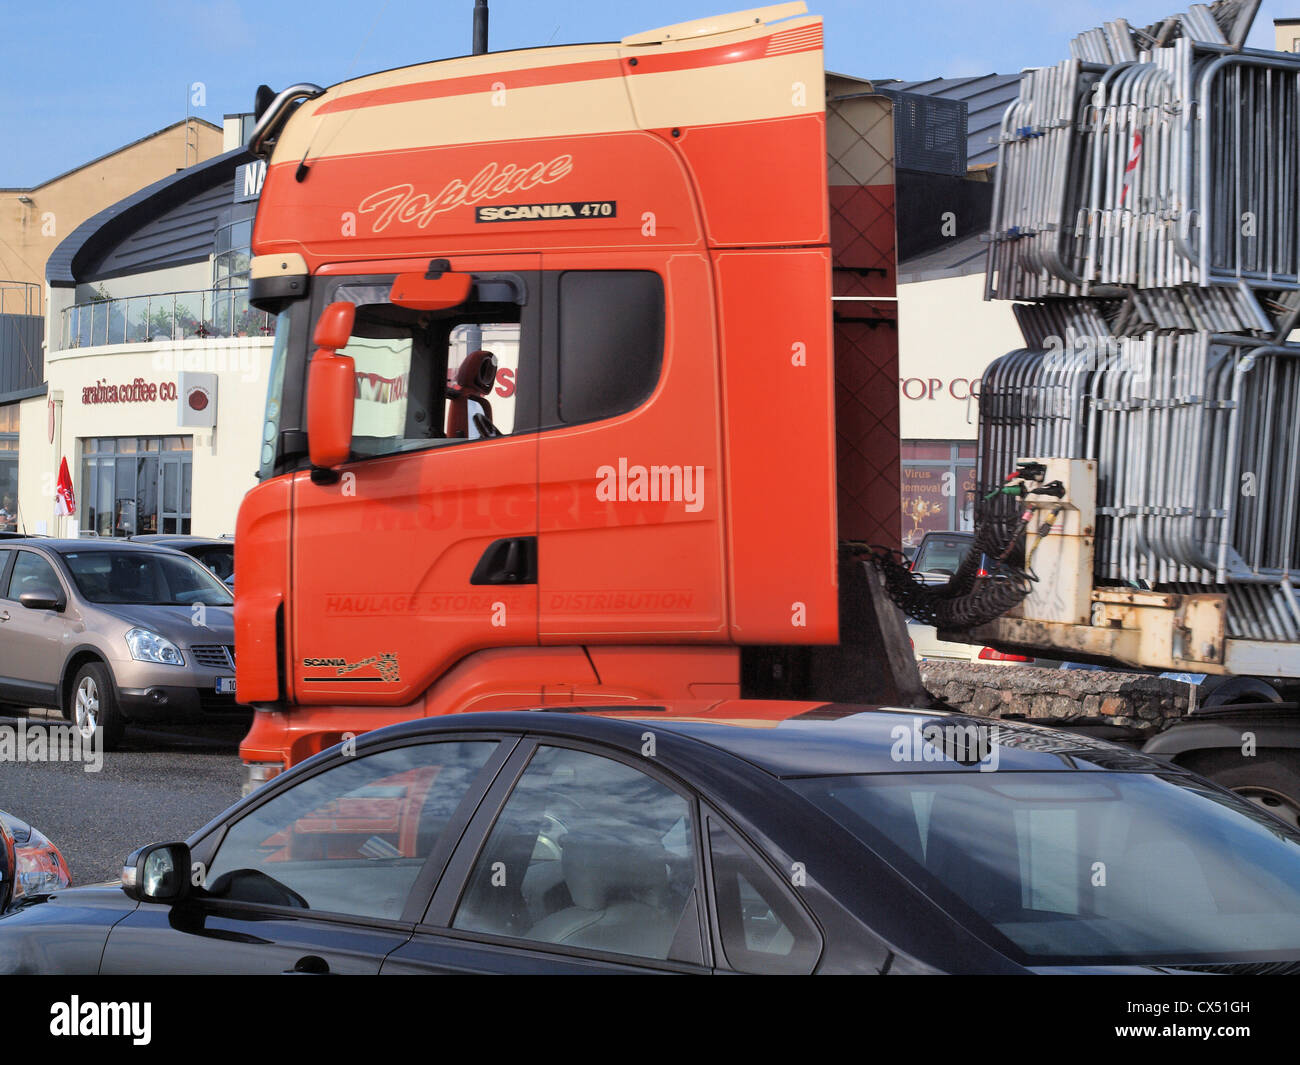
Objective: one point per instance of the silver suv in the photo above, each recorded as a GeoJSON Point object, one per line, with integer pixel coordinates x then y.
{"type": "Point", "coordinates": [112, 632]}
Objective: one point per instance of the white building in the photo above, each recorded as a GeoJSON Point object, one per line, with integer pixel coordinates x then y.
{"type": "Point", "coordinates": [156, 367]}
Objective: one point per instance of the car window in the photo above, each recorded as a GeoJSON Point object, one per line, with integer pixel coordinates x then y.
{"type": "Point", "coordinates": [588, 852]}
{"type": "Point", "coordinates": [31, 573]}
{"type": "Point", "coordinates": [351, 839]}
{"type": "Point", "coordinates": [220, 561]}
{"type": "Point", "coordinates": [942, 554]}
{"type": "Point", "coordinates": [161, 577]}
{"type": "Point", "coordinates": [1075, 868]}
{"type": "Point", "coordinates": [761, 928]}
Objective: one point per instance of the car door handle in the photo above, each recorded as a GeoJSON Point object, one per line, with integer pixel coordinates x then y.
{"type": "Point", "coordinates": [4, 615]}
{"type": "Point", "coordinates": [309, 965]}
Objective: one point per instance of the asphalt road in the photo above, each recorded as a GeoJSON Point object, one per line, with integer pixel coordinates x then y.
{"type": "Point", "coordinates": [159, 787]}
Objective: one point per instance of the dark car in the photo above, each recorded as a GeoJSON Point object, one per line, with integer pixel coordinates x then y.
{"type": "Point", "coordinates": [733, 837]}
{"type": "Point", "coordinates": [218, 555]}
{"type": "Point", "coordinates": [939, 555]}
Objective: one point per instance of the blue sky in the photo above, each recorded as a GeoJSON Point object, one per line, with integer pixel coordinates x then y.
{"type": "Point", "coordinates": [81, 78]}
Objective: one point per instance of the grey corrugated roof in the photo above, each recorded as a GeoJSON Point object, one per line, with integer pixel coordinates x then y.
{"type": "Point", "coordinates": [986, 98]}
{"type": "Point", "coordinates": [167, 223]}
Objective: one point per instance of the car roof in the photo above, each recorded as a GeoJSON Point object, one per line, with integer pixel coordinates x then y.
{"type": "Point", "coordinates": [178, 540]}
{"type": "Point", "coordinates": [801, 739]}
{"type": "Point", "coordinates": [96, 543]}
{"type": "Point", "coordinates": [951, 534]}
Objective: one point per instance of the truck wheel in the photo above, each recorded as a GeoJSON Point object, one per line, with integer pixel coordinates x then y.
{"type": "Point", "coordinates": [94, 704]}
{"type": "Point", "coordinates": [1269, 785]}
{"type": "Point", "coordinates": [1241, 690]}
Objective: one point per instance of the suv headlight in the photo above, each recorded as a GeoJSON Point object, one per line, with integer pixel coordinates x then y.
{"type": "Point", "coordinates": [148, 646]}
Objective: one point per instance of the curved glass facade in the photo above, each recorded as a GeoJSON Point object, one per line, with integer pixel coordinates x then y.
{"type": "Point", "coordinates": [232, 254]}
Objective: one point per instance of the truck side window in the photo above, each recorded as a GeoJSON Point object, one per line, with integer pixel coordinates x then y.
{"type": "Point", "coordinates": [611, 341]}
{"type": "Point", "coordinates": [482, 367]}
{"type": "Point", "coordinates": [428, 380]}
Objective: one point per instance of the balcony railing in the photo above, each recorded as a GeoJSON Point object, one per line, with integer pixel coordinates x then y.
{"type": "Point", "coordinates": [164, 316]}
{"type": "Point", "coordinates": [20, 297]}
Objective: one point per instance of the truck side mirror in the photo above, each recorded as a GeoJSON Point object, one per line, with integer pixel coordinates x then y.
{"type": "Point", "coordinates": [331, 389]}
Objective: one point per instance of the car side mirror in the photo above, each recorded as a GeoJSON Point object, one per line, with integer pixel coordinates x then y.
{"type": "Point", "coordinates": [159, 873]}
{"type": "Point", "coordinates": [43, 599]}
{"type": "Point", "coordinates": [331, 389]}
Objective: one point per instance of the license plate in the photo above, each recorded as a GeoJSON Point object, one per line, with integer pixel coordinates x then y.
{"type": "Point", "coordinates": [225, 685]}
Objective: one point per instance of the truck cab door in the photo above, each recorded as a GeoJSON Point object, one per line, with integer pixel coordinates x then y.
{"type": "Point", "coordinates": [421, 548]}
{"type": "Point", "coordinates": [630, 502]}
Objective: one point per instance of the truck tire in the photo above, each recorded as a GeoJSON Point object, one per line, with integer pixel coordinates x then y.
{"type": "Point", "coordinates": [94, 704]}
{"type": "Point", "coordinates": [1265, 780]}
{"type": "Point", "coordinates": [1241, 690]}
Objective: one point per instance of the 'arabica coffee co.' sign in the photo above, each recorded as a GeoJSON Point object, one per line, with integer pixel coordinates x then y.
{"type": "Point", "coordinates": [137, 391]}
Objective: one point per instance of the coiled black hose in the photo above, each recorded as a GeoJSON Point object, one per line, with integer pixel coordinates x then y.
{"type": "Point", "coordinates": [966, 599]}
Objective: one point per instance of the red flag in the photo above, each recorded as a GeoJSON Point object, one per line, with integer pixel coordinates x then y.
{"type": "Point", "coordinates": [64, 501]}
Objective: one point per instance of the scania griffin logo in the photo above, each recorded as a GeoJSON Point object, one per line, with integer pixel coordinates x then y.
{"type": "Point", "coordinates": [386, 665]}
{"type": "Point", "coordinates": [402, 203]}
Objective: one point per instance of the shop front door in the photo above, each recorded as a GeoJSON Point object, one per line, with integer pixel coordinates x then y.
{"type": "Point", "coordinates": [174, 476]}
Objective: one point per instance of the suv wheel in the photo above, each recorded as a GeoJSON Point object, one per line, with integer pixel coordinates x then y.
{"type": "Point", "coordinates": [94, 704]}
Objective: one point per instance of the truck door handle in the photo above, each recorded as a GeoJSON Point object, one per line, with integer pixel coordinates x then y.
{"type": "Point", "coordinates": [509, 561]}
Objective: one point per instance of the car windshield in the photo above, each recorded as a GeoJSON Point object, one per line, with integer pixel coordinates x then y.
{"type": "Point", "coordinates": [1082, 867]}
{"type": "Point", "coordinates": [146, 577]}
{"type": "Point", "coordinates": [219, 559]}
{"type": "Point", "coordinates": [942, 554]}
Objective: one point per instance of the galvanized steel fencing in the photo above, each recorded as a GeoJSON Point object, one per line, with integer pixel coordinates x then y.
{"type": "Point", "coordinates": [1170, 166]}
{"type": "Point", "coordinates": [1148, 205]}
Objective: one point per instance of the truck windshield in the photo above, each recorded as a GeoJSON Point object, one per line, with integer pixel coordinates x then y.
{"type": "Point", "coordinates": [274, 397]}
{"type": "Point", "coordinates": [1085, 867]}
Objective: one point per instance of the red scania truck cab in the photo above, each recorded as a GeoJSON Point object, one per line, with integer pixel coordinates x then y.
{"type": "Point", "coordinates": [553, 408]}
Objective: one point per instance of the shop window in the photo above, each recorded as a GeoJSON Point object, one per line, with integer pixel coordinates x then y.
{"type": "Point", "coordinates": [938, 487]}
{"type": "Point", "coordinates": [9, 517]}
{"type": "Point", "coordinates": [136, 485]}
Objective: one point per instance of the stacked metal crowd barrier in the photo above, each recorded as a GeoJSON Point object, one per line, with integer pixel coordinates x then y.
{"type": "Point", "coordinates": [1148, 207]}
